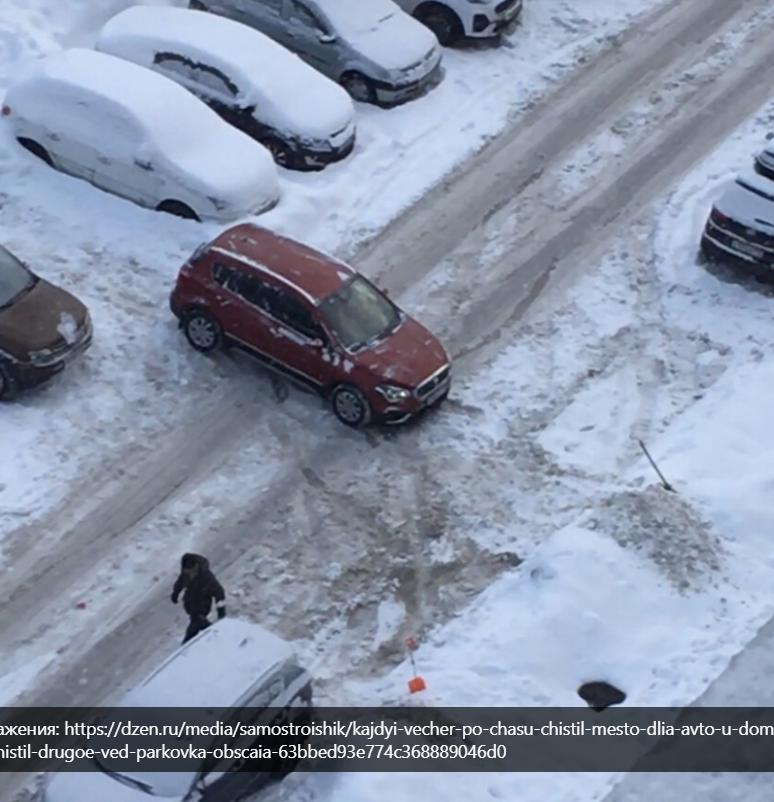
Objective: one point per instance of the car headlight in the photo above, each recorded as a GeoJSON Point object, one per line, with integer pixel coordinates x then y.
{"type": "Point", "coordinates": [393, 393]}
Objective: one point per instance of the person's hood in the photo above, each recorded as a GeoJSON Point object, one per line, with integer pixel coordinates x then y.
{"type": "Point", "coordinates": [202, 562]}
{"type": "Point", "coordinates": [406, 357]}
{"type": "Point", "coordinates": [44, 319]}
{"type": "Point", "coordinates": [398, 44]}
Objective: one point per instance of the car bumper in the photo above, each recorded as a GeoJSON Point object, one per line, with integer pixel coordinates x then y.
{"type": "Point", "coordinates": [393, 95]}
{"type": "Point", "coordinates": [724, 248]}
{"type": "Point", "coordinates": [28, 375]}
{"type": "Point", "coordinates": [393, 414]}
{"type": "Point", "coordinates": [311, 158]}
{"type": "Point", "coordinates": [491, 23]}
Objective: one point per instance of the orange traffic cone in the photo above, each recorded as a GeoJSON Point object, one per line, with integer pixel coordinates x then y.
{"type": "Point", "coordinates": [416, 683]}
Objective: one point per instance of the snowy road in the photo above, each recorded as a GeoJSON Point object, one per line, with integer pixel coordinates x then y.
{"type": "Point", "coordinates": [511, 218]}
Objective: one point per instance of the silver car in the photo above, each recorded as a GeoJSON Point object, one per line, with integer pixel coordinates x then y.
{"type": "Point", "coordinates": [376, 51]}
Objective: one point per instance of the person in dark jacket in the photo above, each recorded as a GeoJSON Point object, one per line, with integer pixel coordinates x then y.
{"type": "Point", "coordinates": [201, 589]}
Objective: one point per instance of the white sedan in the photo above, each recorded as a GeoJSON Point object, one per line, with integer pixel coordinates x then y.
{"type": "Point", "coordinates": [139, 135]}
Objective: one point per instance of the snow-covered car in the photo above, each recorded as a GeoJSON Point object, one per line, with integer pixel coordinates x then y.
{"type": "Point", "coordinates": [134, 133]}
{"type": "Point", "coordinates": [303, 118]}
{"type": "Point", "coordinates": [232, 665]}
{"type": "Point", "coordinates": [740, 227]}
{"type": "Point", "coordinates": [376, 51]}
{"type": "Point", "coordinates": [451, 20]}
{"type": "Point", "coordinates": [42, 327]}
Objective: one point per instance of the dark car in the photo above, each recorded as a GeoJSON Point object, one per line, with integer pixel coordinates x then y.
{"type": "Point", "coordinates": [314, 319]}
{"type": "Point", "coordinates": [42, 327]}
{"type": "Point", "coordinates": [740, 227]}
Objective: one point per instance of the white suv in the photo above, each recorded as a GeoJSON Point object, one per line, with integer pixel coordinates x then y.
{"type": "Point", "coordinates": [451, 20]}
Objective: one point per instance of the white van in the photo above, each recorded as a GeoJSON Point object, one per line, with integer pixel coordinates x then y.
{"type": "Point", "coordinates": [231, 665]}
{"type": "Point", "coordinates": [303, 118]}
{"type": "Point", "coordinates": [136, 134]}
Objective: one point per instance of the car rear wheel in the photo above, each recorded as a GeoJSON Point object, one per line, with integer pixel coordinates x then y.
{"type": "Point", "coordinates": [36, 149]}
{"type": "Point", "coordinates": [350, 406]}
{"type": "Point", "coordinates": [443, 22]}
{"type": "Point", "coordinates": [359, 87]}
{"type": "Point", "coordinates": [279, 151]}
{"type": "Point", "coordinates": [178, 208]}
{"type": "Point", "coordinates": [8, 387]}
{"type": "Point", "coordinates": [202, 331]}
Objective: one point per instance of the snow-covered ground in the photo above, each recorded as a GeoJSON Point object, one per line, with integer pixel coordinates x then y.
{"type": "Point", "coordinates": [620, 581]}
{"type": "Point", "coordinates": [650, 590]}
{"type": "Point", "coordinates": [121, 260]}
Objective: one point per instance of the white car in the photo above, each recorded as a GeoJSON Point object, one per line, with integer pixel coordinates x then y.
{"type": "Point", "coordinates": [303, 118]}
{"type": "Point", "coordinates": [232, 665]}
{"type": "Point", "coordinates": [450, 20]}
{"type": "Point", "coordinates": [139, 135]}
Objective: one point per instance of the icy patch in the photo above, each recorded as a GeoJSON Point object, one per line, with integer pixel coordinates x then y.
{"type": "Point", "coordinates": [13, 684]}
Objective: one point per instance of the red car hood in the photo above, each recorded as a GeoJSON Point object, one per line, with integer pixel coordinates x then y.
{"type": "Point", "coordinates": [407, 357]}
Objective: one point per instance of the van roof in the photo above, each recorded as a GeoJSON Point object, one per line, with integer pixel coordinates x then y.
{"type": "Point", "coordinates": [214, 670]}
{"type": "Point", "coordinates": [314, 274]}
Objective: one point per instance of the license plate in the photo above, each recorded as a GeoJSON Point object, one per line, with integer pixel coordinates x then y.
{"type": "Point", "coordinates": [743, 247]}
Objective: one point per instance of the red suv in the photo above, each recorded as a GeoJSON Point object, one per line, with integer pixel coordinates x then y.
{"type": "Point", "coordinates": [313, 318]}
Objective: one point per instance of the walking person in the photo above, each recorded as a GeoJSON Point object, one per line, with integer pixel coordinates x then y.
{"type": "Point", "coordinates": [201, 589]}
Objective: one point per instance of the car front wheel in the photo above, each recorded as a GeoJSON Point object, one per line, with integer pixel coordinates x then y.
{"type": "Point", "coordinates": [202, 331]}
{"type": "Point", "coordinates": [350, 406]}
{"type": "Point", "coordinates": [177, 208]}
{"type": "Point", "coordinates": [443, 22]}
{"type": "Point", "coordinates": [8, 386]}
{"type": "Point", "coordinates": [359, 87]}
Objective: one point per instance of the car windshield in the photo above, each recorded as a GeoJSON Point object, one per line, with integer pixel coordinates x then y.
{"type": "Point", "coordinates": [14, 277]}
{"type": "Point", "coordinates": [359, 314]}
{"type": "Point", "coordinates": [353, 17]}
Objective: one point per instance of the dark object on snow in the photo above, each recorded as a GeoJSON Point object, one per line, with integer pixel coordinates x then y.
{"type": "Point", "coordinates": [664, 482]}
{"type": "Point", "coordinates": [201, 589]}
{"type": "Point", "coordinates": [599, 695]}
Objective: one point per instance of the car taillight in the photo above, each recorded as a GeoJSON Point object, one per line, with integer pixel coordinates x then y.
{"type": "Point", "coordinates": [718, 216]}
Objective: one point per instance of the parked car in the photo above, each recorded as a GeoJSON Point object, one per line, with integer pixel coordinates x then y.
{"type": "Point", "coordinates": [139, 135]}
{"type": "Point", "coordinates": [232, 665]}
{"type": "Point", "coordinates": [42, 327]}
{"type": "Point", "coordinates": [740, 227]}
{"type": "Point", "coordinates": [764, 163]}
{"type": "Point", "coordinates": [303, 118]}
{"type": "Point", "coordinates": [314, 319]}
{"type": "Point", "coordinates": [451, 20]}
{"type": "Point", "coordinates": [377, 52]}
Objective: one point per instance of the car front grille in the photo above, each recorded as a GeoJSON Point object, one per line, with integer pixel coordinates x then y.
{"type": "Point", "coordinates": [432, 383]}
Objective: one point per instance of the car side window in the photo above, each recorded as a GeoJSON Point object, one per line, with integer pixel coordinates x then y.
{"type": "Point", "coordinates": [210, 78]}
{"type": "Point", "coordinates": [174, 65]}
{"type": "Point", "coordinates": [296, 315]}
{"type": "Point", "coordinates": [300, 13]}
{"type": "Point", "coordinates": [223, 274]}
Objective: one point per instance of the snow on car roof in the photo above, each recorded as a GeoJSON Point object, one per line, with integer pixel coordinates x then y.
{"type": "Point", "coordinates": [215, 669]}
{"type": "Point", "coordinates": [314, 274]}
{"type": "Point", "coordinates": [357, 16]}
{"type": "Point", "coordinates": [160, 115]}
{"type": "Point", "coordinates": [287, 88]}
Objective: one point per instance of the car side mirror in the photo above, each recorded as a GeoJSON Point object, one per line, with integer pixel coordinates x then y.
{"type": "Point", "coordinates": [385, 291]}
{"type": "Point", "coordinates": [325, 38]}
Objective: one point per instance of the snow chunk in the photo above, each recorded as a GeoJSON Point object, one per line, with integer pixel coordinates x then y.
{"type": "Point", "coordinates": [68, 328]}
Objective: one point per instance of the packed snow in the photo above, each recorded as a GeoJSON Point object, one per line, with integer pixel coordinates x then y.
{"type": "Point", "coordinates": [621, 580]}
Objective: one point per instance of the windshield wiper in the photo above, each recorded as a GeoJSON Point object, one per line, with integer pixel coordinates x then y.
{"type": "Point", "coordinates": [123, 778]}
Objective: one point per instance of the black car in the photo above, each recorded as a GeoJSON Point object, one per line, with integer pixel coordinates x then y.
{"type": "Point", "coordinates": [740, 227]}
